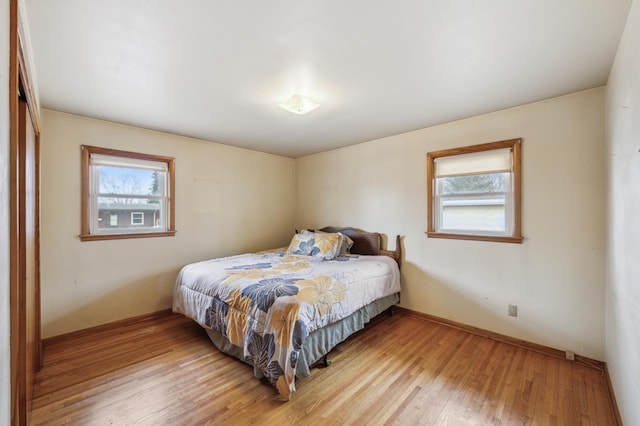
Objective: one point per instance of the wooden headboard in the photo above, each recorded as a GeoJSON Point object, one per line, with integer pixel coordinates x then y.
{"type": "Point", "coordinates": [368, 243]}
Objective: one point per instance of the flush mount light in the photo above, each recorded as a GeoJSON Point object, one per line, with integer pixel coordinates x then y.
{"type": "Point", "coordinates": [298, 104]}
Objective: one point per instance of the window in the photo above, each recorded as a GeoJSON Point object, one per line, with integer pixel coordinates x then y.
{"type": "Point", "coordinates": [473, 193]}
{"type": "Point", "coordinates": [137, 218]}
{"type": "Point", "coordinates": [126, 195]}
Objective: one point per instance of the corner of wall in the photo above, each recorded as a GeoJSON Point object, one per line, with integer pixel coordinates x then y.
{"type": "Point", "coordinates": [622, 300]}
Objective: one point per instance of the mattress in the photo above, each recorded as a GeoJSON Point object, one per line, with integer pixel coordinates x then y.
{"type": "Point", "coordinates": [269, 304]}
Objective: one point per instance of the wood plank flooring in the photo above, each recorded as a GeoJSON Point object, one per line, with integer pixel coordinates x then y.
{"type": "Point", "coordinates": [400, 370]}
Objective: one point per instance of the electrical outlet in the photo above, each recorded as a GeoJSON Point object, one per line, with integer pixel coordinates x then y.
{"type": "Point", "coordinates": [570, 355]}
{"type": "Point", "coordinates": [513, 310]}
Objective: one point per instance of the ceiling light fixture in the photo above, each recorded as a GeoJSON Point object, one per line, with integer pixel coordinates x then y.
{"type": "Point", "coordinates": [298, 104]}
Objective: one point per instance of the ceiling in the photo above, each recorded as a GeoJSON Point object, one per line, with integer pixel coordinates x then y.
{"type": "Point", "coordinates": [216, 70]}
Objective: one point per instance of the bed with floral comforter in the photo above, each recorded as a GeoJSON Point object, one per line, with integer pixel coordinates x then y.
{"type": "Point", "coordinates": [267, 304]}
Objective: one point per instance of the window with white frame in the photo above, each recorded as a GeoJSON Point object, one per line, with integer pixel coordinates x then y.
{"type": "Point", "coordinates": [474, 192]}
{"type": "Point", "coordinates": [137, 218]}
{"type": "Point", "coordinates": [126, 194]}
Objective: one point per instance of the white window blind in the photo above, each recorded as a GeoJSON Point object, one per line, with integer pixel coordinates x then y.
{"type": "Point", "coordinates": [494, 161]}
{"type": "Point", "coordinates": [134, 163]}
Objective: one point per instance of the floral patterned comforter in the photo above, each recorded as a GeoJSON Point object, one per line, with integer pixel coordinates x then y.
{"type": "Point", "coordinates": [268, 303]}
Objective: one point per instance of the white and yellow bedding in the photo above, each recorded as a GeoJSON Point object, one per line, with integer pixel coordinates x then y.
{"type": "Point", "coordinates": [268, 303]}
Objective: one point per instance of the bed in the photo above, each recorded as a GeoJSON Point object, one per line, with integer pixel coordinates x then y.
{"type": "Point", "coordinates": [283, 310]}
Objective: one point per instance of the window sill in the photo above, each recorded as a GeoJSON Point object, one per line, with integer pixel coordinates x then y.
{"type": "Point", "coordinates": [101, 237]}
{"type": "Point", "coordinates": [491, 238]}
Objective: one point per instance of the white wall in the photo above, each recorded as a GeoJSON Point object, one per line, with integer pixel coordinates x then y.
{"type": "Point", "coordinates": [623, 230]}
{"type": "Point", "coordinates": [5, 356]}
{"type": "Point", "coordinates": [556, 277]}
{"type": "Point", "coordinates": [228, 200]}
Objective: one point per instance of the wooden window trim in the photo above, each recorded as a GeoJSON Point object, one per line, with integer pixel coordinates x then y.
{"type": "Point", "coordinates": [515, 145]}
{"type": "Point", "coordinates": [85, 234]}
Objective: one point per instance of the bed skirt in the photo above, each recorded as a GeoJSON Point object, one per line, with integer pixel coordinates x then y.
{"type": "Point", "coordinates": [321, 341]}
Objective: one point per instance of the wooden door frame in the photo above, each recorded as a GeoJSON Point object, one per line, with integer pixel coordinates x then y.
{"type": "Point", "coordinates": [20, 84]}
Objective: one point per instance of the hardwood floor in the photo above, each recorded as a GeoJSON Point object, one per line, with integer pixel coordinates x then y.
{"type": "Point", "coordinates": [399, 370]}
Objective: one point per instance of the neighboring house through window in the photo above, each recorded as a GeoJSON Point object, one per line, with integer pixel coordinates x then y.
{"type": "Point", "coordinates": [473, 192]}
{"type": "Point", "coordinates": [126, 194]}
